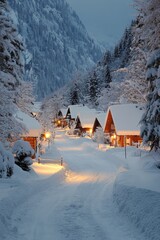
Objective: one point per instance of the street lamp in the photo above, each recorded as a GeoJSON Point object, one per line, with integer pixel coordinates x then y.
{"type": "Point", "coordinates": [47, 136]}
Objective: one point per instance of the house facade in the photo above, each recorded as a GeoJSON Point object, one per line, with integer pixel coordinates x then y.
{"type": "Point", "coordinates": [60, 120]}
{"type": "Point", "coordinates": [74, 111]}
{"type": "Point", "coordinates": [33, 127]}
{"type": "Point", "coordinates": [123, 124]}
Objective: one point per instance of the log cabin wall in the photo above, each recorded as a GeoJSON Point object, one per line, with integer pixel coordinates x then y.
{"type": "Point", "coordinates": [109, 127]}
{"type": "Point", "coordinates": [130, 140]}
{"type": "Point", "coordinates": [32, 141]}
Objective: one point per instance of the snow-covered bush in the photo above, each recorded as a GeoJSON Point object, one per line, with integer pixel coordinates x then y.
{"type": "Point", "coordinates": [99, 135]}
{"type": "Point", "coordinates": [6, 162]}
{"type": "Point", "coordinates": [23, 153]}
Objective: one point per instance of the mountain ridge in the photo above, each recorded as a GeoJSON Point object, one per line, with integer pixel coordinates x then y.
{"type": "Point", "coordinates": [57, 43]}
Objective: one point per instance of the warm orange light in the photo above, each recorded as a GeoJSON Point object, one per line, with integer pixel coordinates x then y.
{"type": "Point", "coordinates": [76, 178]}
{"type": "Point", "coordinates": [47, 134]}
{"type": "Point", "coordinates": [90, 130]}
{"type": "Point", "coordinates": [113, 136]}
{"type": "Point", "coordinates": [46, 170]}
{"type": "Point", "coordinates": [59, 121]}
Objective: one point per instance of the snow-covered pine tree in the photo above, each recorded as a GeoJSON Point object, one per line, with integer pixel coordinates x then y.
{"type": "Point", "coordinates": [74, 94]}
{"type": "Point", "coordinates": [93, 89]}
{"type": "Point", "coordinates": [107, 58]}
{"type": "Point", "coordinates": [126, 46]}
{"type": "Point", "coordinates": [150, 30]}
{"type": "Point", "coordinates": [11, 73]}
{"type": "Point", "coordinates": [107, 77]}
{"type": "Point", "coordinates": [11, 47]}
{"type": "Point", "coordinates": [135, 87]}
{"type": "Point", "coordinates": [10, 69]}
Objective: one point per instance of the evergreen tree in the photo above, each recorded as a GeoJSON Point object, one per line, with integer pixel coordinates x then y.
{"type": "Point", "coordinates": [135, 87]}
{"type": "Point", "coordinates": [107, 58]}
{"type": "Point", "coordinates": [74, 97]}
{"type": "Point", "coordinates": [126, 46]}
{"type": "Point", "coordinates": [11, 47]}
{"type": "Point", "coordinates": [107, 77]}
{"type": "Point", "coordinates": [11, 73]}
{"type": "Point", "coordinates": [151, 118]}
{"type": "Point", "coordinates": [117, 51]}
{"type": "Point", "coordinates": [93, 89]}
{"type": "Point", "coordinates": [150, 31]}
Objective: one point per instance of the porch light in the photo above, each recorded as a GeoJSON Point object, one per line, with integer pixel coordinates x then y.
{"type": "Point", "coordinates": [90, 130]}
{"type": "Point", "coordinates": [114, 136]}
{"type": "Point", "coordinates": [47, 135]}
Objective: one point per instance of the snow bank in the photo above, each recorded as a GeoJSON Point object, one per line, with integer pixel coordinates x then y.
{"type": "Point", "coordinates": [141, 206]}
{"type": "Point", "coordinates": [19, 189]}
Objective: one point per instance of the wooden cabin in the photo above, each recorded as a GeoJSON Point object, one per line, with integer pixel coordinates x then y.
{"type": "Point", "coordinates": [73, 111]}
{"type": "Point", "coordinates": [123, 124]}
{"type": "Point", "coordinates": [84, 121]}
{"type": "Point", "coordinates": [60, 120]}
{"type": "Point", "coordinates": [33, 127]}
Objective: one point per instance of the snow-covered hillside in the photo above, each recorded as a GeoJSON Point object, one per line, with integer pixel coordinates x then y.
{"type": "Point", "coordinates": [57, 43]}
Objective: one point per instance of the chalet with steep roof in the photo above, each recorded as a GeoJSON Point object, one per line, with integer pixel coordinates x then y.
{"type": "Point", "coordinates": [123, 124]}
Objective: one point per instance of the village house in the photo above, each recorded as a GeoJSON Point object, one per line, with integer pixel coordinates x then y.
{"type": "Point", "coordinates": [73, 111]}
{"type": "Point", "coordinates": [60, 120]}
{"type": "Point", "coordinates": [84, 121]}
{"type": "Point", "coordinates": [123, 124]}
{"type": "Point", "coordinates": [33, 126]}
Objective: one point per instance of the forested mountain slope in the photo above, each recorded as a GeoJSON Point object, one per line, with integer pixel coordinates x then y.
{"type": "Point", "coordinates": [56, 40]}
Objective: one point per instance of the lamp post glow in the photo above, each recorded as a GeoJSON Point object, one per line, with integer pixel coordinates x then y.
{"type": "Point", "coordinates": [47, 135]}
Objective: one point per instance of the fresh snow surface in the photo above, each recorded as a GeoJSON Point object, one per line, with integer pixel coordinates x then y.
{"type": "Point", "coordinates": [96, 195]}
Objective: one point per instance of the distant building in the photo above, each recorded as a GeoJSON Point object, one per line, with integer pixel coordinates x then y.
{"type": "Point", "coordinates": [73, 111]}
{"type": "Point", "coordinates": [60, 120]}
{"type": "Point", "coordinates": [84, 121]}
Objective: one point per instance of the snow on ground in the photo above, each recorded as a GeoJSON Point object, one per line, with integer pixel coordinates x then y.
{"type": "Point", "coordinates": [96, 195]}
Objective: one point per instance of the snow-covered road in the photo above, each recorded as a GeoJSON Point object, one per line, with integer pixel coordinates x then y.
{"type": "Point", "coordinates": [76, 203]}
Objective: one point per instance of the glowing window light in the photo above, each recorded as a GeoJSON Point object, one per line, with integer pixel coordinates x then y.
{"type": "Point", "coordinates": [90, 130]}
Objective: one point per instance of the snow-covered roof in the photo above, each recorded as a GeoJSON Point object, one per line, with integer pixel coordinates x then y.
{"type": "Point", "coordinates": [87, 117]}
{"type": "Point", "coordinates": [63, 111]}
{"type": "Point", "coordinates": [77, 110]}
{"type": "Point", "coordinates": [33, 126]}
{"type": "Point", "coordinates": [126, 118]}
{"type": "Point", "coordinates": [101, 117]}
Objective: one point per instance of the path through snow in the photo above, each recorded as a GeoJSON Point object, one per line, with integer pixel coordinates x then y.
{"type": "Point", "coordinates": [76, 203]}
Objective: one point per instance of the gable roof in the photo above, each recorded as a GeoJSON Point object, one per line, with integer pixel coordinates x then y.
{"type": "Point", "coordinates": [77, 110]}
{"type": "Point", "coordinates": [126, 118]}
{"type": "Point", "coordinates": [62, 111]}
{"type": "Point", "coordinates": [87, 118]}
{"type": "Point", "coordinates": [101, 117]}
{"type": "Point", "coordinates": [33, 126]}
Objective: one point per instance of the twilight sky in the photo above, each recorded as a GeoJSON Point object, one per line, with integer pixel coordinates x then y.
{"type": "Point", "coordinates": [105, 20]}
